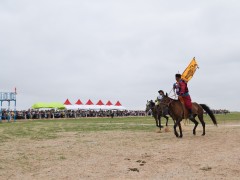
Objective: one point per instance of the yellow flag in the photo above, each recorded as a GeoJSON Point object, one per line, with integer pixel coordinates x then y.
{"type": "Point", "coordinates": [190, 70]}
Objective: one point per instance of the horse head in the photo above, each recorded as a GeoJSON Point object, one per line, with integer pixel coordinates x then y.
{"type": "Point", "coordinates": [150, 105]}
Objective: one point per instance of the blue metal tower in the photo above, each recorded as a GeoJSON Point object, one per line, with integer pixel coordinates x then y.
{"type": "Point", "coordinates": [8, 97]}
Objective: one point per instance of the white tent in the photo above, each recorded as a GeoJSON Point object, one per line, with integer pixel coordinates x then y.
{"type": "Point", "coordinates": [94, 107]}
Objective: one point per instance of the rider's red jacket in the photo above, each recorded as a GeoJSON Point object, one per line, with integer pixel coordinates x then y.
{"type": "Point", "coordinates": [181, 88]}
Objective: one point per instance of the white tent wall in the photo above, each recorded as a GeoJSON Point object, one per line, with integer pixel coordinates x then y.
{"type": "Point", "coordinates": [122, 108]}
{"type": "Point", "coordinates": [94, 107]}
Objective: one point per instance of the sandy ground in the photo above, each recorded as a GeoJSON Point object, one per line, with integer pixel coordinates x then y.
{"type": "Point", "coordinates": [126, 155]}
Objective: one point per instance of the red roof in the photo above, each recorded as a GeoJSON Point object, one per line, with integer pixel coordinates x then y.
{"type": "Point", "coordinates": [100, 103]}
{"type": "Point", "coordinates": [67, 102]}
{"type": "Point", "coordinates": [79, 102]}
{"type": "Point", "coordinates": [118, 103]}
{"type": "Point", "coordinates": [109, 103]}
{"type": "Point", "coordinates": [89, 102]}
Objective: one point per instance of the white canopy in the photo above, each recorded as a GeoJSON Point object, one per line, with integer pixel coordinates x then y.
{"type": "Point", "coordinates": [94, 107]}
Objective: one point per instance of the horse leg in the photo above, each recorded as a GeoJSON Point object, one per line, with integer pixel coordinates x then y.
{"type": "Point", "coordinates": [159, 120]}
{"type": "Point", "coordinates": [200, 117]}
{"type": "Point", "coordinates": [175, 127]}
{"type": "Point", "coordinates": [166, 120]}
{"type": "Point", "coordinates": [196, 124]}
{"type": "Point", "coordinates": [156, 122]}
{"type": "Point", "coordinates": [174, 121]}
{"type": "Point", "coordinates": [180, 129]}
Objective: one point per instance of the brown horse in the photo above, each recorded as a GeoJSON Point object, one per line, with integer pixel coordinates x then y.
{"type": "Point", "coordinates": [177, 112]}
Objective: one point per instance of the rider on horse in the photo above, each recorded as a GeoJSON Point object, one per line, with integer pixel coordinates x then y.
{"type": "Point", "coordinates": [160, 96]}
{"type": "Point", "coordinates": [164, 110]}
{"type": "Point", "coordinates": [182, 91]}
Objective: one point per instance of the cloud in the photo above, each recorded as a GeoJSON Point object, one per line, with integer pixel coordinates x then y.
{"type": "Point", "coordinates": [118, 50]}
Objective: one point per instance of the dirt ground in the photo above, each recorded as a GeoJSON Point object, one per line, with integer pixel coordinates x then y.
{"type": "Point", "coordinates": [126, 155]}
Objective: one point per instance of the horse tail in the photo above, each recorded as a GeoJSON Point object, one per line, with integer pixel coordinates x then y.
{"type": "Point", "coordinates": [210, 113]}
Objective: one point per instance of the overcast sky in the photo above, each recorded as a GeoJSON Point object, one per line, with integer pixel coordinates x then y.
{"type": "Point", "coordinates": [122, 50]}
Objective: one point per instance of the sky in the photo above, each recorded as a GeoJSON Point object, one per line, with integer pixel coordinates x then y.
{"type": "Point", "coordinates": [125, 50]}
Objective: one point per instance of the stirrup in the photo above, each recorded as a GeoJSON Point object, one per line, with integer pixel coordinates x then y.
{"type": "Point", "coordinates": [191, 117]}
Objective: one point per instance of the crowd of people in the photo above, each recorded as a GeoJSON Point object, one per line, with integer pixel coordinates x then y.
{"type": "Point", "coordinates": [220, 111]}
{"type": "Point", "coordinates": [48, 114]}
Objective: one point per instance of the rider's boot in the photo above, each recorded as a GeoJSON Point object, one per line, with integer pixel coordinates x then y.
{"type": "Point", "coordinates": [190, 114]}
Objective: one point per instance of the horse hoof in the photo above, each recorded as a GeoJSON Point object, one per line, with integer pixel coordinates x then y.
{"type": "Point", "coordinates": [203, 134]}
{"type": "Point", "coordinates": [194, 133]}
{"type": "Point", "coordinates": [180, 136]}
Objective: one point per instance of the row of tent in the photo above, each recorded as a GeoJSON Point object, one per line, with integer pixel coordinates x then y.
{"type": "Point", "coordinates": [79, 105]}
{"type": "Point", "coordinates": [91, 106]}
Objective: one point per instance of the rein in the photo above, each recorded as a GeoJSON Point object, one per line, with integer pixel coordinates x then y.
{"type": "Point", "coordinates": [174, 95]}
{"type": "Point", "coordinates": [170, 91]}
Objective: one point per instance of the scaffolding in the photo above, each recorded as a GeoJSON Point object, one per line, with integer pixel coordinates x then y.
{"type": "Point", "coordinates": [8, 97]}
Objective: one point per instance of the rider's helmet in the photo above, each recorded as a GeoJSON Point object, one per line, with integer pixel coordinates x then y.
{"type": "Point", "coordinates": [160, 91]}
